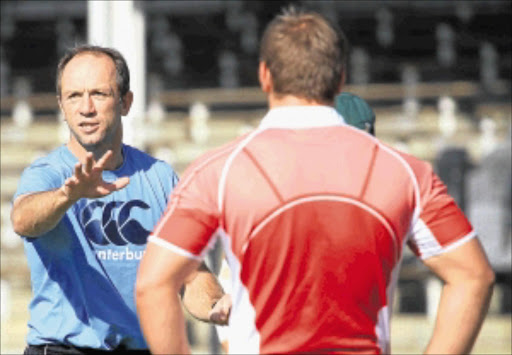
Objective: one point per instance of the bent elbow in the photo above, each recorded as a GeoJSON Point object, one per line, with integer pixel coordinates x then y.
{"type": "Point", "coordinates": [485, 279]}
{"type": "Point", "coordinates": [27, 226]}
{"type": "Point", "coordinates": [489, 278]}
{"type": "Point", "coordinates": [21, 228]}
{"type": "Point", "coordinates": [18, 224]}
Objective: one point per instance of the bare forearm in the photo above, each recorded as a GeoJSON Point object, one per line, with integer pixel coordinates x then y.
{"type": "Point", "coordinates": [461, 312]}
{"type": "Point", "coordinates": [35, 214]}
{"type": "Point", "coordinates": [162, 321]}
{"type": "Point", "coordinates": [201, 293]}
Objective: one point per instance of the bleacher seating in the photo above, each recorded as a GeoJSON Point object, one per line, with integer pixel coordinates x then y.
{"type": "Point", "coordinates": [199, 34]}
{"type": "Point", "coordinates": [171, 139]}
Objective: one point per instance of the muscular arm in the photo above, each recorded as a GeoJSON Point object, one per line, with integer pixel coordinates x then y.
{"type": "Point", "coordinates": [161, 275]}
{"type": "Point", "coordinates": [35, 214]}
{"type": "Point", "coordinates": [468, 282]}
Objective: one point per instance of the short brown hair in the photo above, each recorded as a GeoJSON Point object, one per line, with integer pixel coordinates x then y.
{"type": "Point", "coordinates": [122, 71]}
{"type": "Point", "coordinates": [305, 54]}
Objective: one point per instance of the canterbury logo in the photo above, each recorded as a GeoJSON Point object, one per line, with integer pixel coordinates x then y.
{"type": "Point", "coordinates": [111, 230]}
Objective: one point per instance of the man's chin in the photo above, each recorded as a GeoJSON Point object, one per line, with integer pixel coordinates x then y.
{"type": "Point", "coordinates": [91, 145]}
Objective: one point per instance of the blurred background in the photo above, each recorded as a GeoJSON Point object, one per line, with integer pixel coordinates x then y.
{"type": "Point", "coordinates": [436, 73]}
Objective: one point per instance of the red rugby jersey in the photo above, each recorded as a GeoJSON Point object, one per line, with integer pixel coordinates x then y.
{"type": "Point", "coordinates": [313, 215]}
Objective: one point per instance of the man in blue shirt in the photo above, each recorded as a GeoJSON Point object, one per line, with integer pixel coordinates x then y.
{"type": "Point", "coordinates": [85, 211]}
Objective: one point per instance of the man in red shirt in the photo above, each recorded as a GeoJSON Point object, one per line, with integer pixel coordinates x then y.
{"type": "Point", "coordinates": [313, 216]}
{"type": "Point", "coordinates": [355, 112]}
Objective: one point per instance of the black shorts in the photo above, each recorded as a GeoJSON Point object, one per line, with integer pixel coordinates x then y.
{"type": "Point", "coordinates": [58, 349]}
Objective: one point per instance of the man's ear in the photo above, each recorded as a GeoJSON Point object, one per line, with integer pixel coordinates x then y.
{"type": "Point", "coordinates": [265, 78]}
{"type": "Point", "coordinates": [59, 102]}
{"type": "Point", "coordinates": [126, 103]}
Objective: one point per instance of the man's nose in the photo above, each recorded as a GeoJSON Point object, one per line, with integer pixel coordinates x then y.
{"type": "Point", "coordinates": [87, 106]}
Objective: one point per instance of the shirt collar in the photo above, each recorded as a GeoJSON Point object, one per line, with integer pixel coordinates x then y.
{"type": "Point", "coordinates": [296, 117]}
{"type": "Point", "coordinates": [71, 159]}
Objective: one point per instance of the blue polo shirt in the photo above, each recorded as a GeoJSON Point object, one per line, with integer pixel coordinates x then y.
{"type": "Point", "coordinates": [83, 271]}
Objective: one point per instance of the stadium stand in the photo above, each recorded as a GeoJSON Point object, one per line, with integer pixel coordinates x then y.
{"type": "Point", "coordinates": [196, 105]}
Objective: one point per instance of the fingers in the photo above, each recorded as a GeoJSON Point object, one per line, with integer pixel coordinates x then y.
{"type": "Point", "coordinates": [220, 312]}
{"type": "Point", "coordinates": [104, 159]}
{"type": "Point", "coordinates": [78, 171]}
{"type": "Point", "coordinates": [85, 169]}
{"type": "Point", "coordinates": [119, 184]}
{"type": "Point", "coordinates": [87, 180]}
{"type": "Point", "coordinates": [218, 318]}
{"type": "Point", "coordinates": [68, 186]}
{"type": "Point", "coordinates": [88, 163]}
{"type": "Point", "coordinates": [71, 181]}
{"type": "Point", "coordinates": [225, 311]}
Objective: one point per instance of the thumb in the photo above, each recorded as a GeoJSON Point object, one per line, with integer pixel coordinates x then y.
{"type": "Point", "coordinates": [121, 182]}
{"type": "Point", "coordinates": [219, 314]}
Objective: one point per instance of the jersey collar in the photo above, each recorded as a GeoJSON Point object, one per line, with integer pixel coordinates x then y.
{"type": "Point", "coordinates": [296, 117]}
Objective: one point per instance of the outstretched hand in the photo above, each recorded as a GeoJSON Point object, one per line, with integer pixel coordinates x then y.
{"type": "Point", "coordinates": [87, 182]}
{"type": "Point", "coordinates": [220, 312]}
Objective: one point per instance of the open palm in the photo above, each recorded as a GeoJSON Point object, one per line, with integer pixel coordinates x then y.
{"type": "Point", "coordinates": [87, 182]}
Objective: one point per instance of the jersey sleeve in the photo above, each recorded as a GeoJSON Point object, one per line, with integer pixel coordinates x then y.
{"type": "Point", "coordinates": [38, 177]}
{"type": "Point", "coordinates": [189, 223]}
{"type": "Point", "coordinates": [441, 225]}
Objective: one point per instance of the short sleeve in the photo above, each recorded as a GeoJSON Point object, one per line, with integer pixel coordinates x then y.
{"type": "Point", "coordinates": [441, 225]}
{"type": "Point", "coordinates": [38, 177]}
{"type": "Point", "coordinates": [191, 219]}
